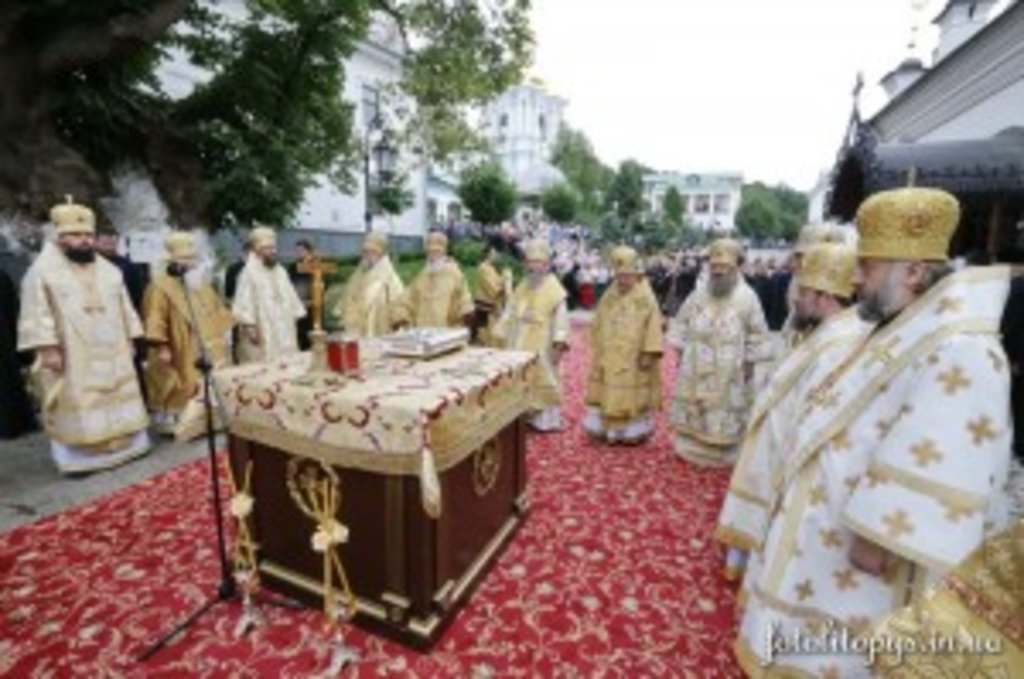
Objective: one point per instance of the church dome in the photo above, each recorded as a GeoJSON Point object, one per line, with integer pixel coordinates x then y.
{"type": "Point", "coordinates": [538, 178]}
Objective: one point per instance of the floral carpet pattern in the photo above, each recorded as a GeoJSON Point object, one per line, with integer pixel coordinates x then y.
{"type": "Point", "coordinates": [614, 574]}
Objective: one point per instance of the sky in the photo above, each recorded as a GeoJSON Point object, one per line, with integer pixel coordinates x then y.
{"type": "Point", "coordinates": [763, 87]}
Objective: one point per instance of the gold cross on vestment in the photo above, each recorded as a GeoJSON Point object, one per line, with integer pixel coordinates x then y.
{"type": "Point", "coordinates": [926, 452]}
{"type": "Point", "coordinates": [317, 268]}
{"type": "Point", "coordinates": [981, 430]}
{"type": "Point", "coordinates": [950, 304]}
{"type": "Point", "coordinates": [882, 351]}
{"type": "Point", "coordinates": [898, 523]}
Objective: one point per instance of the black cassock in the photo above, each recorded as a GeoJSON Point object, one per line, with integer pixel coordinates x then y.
{"type": "Point", "coordinates": [1013, 343]}
{"type": "Point", "coordinates": [16, 413]}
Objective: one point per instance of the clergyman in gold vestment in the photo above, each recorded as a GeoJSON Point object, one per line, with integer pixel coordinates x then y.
{"type": "Point", "coordinates": [172, 378]}
{"type": "Point", "coordinates": [537, 319]}
{"type": "Point", "coordinates": [78, 319]}
{"type": "Point", "coordinates": [624, 385]}
{"type": "Point", "coordinates": [439, 295]}
{"type": "Point", "coordinates": [368, 301]}
{"type": "Point", "coordinates": [493, 289]}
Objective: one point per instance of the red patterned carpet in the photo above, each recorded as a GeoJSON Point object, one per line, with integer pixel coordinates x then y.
{"type": "Point", "coordinates": [613, 575]}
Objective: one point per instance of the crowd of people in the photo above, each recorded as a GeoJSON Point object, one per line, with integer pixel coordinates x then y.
{"type": "Point", "coordinates": [875, 457]}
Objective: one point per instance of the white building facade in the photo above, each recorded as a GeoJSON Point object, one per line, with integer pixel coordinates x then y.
{"type": "Point", "coordinates": [710, 200]}
{"type": "Point", "coordinates": [521, 127]}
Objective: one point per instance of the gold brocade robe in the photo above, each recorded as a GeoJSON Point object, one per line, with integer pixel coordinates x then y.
{"type": "Point", "coordinates": [95, 403]}
{"type": "Point", "coordinates": [168, 322]}
{"type": "Point", "coordinates": [625, 327]}
{"type": "Point", "coordinates": [971, 625]}
{"type": "Point", "coordinates": [716, 338]}
{"type": "Point", "coordinates": [438, 298]}
{"type": "Point", "coordinates": [535, 319]}
{"type": "Point", "coordinates": [367, 302]}
{"type": "Point", "coordinates": [266, 299]}
{"type": "Point", "coordinates": [490, 299]}
{"type": "Point", "coordinates": [905, 444]}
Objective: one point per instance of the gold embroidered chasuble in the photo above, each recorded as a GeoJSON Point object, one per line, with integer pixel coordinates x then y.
{"type": "Point", "coordinates": [716, 339]}
{"type": "Point", "coordinates": [535, 320]}
{"type": "Point", "coordinates": [95, 403]}
{"type": "Point", "coordinates": [771, 429]}
{"type": "Point", "coordinates": [168, 322]}
{"type": "Point", "coordinates": [437, 298]}
{"type": "Point", "coordinates": [976, 614]}
{"type": "Point", "coordinates": [266, 298]}
{"type": "Point", "coordinates": [625, 327]}
{"type": "Point", "coordinates": [490, 297]}
{"type": "Point", "coordinates": [906, 443]}
{"type": "Point", "coordinates": [367, 302]}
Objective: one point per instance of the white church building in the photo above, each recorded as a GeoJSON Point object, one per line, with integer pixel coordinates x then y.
{"type": "Point", "coordinates": [956, 123]}
{"type": "Point", "coordinates": [710, 200]}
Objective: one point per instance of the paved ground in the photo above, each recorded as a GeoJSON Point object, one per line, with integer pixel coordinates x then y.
{"type": "Point", "coordinates": [31, 487]}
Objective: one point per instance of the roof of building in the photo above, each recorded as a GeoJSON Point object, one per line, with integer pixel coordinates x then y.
{"type": "Point", "coordinates": [692, 181]}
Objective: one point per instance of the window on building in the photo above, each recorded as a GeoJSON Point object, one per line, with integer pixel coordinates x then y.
{"type": "Point", "coordinates": [702, 204]}
{"type": "Point", "coordinates": [503, 121]}
{"type": "Point", "coordinates": [370, 103]}
{"type": "Point", "coordinates": [543, 123]}
{"type": "Point", "coordinates": [722, 204]}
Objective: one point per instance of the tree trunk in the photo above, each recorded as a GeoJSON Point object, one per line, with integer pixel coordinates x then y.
{"type": "Point", "coordinates": [36, 167]}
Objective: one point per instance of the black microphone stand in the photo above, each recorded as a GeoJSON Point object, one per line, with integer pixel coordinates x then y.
{"type": "Point", "coordinates": [227, 589]}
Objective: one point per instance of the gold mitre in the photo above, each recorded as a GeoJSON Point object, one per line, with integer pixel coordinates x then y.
{"type": "Point", "coordinates": [907, 224]}
{"type": "Point", "coordinates": [626, 260]}
{"type": "Point", "coordinates": [829, 267]}
{"type": "Point", "coordinates": [70, 217]}
{"type": "Point", "coordinates": [725, 251]}
{"type": "Point", "coordinates": [262, 236]}
{"type": "Point", "coordinates": [437, 242]}
{"type": "Point", "coordinates": [537, 251]}
{"type": "Point", "coordinates": [812, 234]}
{"type": "Point", "coordinates": [376, 241]}
{"type": "Point", "coordinates": [181, 247]}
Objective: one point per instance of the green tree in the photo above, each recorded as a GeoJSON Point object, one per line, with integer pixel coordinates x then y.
{"type": "Point", "coordinates": [560, 203]}
{"type": "Point", "coordinates": [673, 206]}
{"type": "Point", "coordinates": [574, 155]}
{"type": "Point", "coordinates": [80, 95]}
{"type": "Point", "coordinates": [626, 193]}
{"type": "Point", "coordinates": [488, 194]}
{"type": "Point", "coordinates": [771, 212]}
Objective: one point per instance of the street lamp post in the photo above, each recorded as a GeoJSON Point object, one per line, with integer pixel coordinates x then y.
{"type": "Point", "coordinates": [384, 153]}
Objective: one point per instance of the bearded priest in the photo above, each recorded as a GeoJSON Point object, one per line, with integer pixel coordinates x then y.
{"type": "Point", "coordinates": [439, 295]}
{"type": "Point", "coordinates": [719, 334]}
{"type": "Point", "coordinates": [172, 378]}
{"type": "Point", "coordinates": [898, 468]}
{"type": "Point", "coordinates": [77, 317]}
{"type": "Point", "coordinates": [266, 305]}
{"type": "Point", "coordinates": [832, 329]}
{"type": "Point", "coordinates": [624, 386]}
{"type": "Point", "coordinates": [371, 293]}
{"type": "Point", "coordinates": [536, 318]}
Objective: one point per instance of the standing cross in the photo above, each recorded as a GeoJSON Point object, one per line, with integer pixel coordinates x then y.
{"type": "Point", "coordinates": [317, 268]}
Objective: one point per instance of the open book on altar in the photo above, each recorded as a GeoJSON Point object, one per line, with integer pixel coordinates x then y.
{"type": "Point", "coordinates": [425, 342]}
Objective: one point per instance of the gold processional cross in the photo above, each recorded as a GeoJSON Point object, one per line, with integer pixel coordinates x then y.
{"type": "Point", "coordinates": [316, 267]}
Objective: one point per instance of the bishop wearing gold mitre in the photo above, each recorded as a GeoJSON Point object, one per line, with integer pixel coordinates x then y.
{"type": "Point", "coordinates": [439, 295]}
{"type": "Point", "coordinates": [266, 305]}
{"type": "Point", "coordinates": [833, 328]}
{"type": "Point", "coordinates": [77, 317]}
{"type": "Point", "coordinates": [371, 293]}
{"type": "Point", "coordinates": [624, 386]}
{"type": "Point", "coordinates": [172, 378]}
{"type": "Point", "coordinates": [897, 470]}
{"type": "Point", "coordinates": [536, 319]}
{"type": "Point", "coordinates": [809, 236]}
{"type": "Point", "coordinates": [493, 288]}
{"type": "Point", "coordinates": [720, 334]}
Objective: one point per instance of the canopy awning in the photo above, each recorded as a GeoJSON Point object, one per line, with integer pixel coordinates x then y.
{"type": "Point", "coordinates": [968, 169]}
